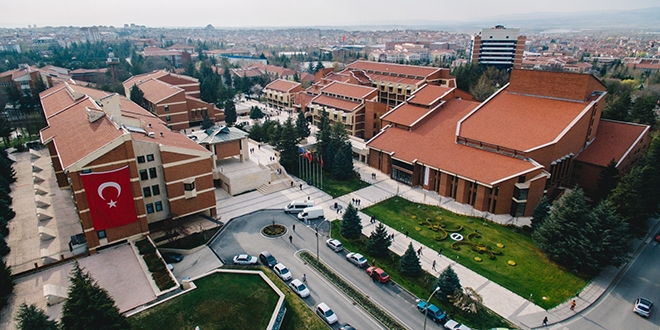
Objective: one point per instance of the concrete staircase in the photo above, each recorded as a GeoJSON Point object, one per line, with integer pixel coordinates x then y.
{"type": "Point", "coordinates": [277, 182]}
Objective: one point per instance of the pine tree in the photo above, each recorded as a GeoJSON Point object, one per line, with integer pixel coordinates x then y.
{"type": "Point", "coordinates": [627, 200]}
{"type": "Point", "coordinates": [342, 163]}
{"type": "Point", "coordinates": [409, 264]}
{"type": "Point", "coordinates": [323, 138]}
{"type": "Point", "coordinates": [256, 113]}
{"type": "Point", "coordinates": [302, 126]}
{"type": "Point", "coordinates": [88, 306]}
{"type": "Point", "coordinates": [207, 123]}
{"type": "Point", "coordinates": [619, 109]}
{"type": "Point", "coordinates": [541, 212]}
{"type": "Point", "coordinates": [256, 132]}
{"type": "Point", "coordinates": [137, 95]}
{"type": "Point", "coordinates": [5, 130]}
{"type": "Point", "coordinates": [288, 145]}
{"type": "Point", "coordinates": [379, 242]}
{"type": "Point", "coordinates": [607, 181]}
{"type": "Point", "coordinates": [5, 210]}
{"type": "Point", "coordinates": [4, 227]}
{"type": "Point", "coordinates": [4, 248]}
{"type": "Point", "coordinates": [230, 112]}
{"type": "Point", "coordinates": [351, 225]}
{"type": "Point", "coordinates": [448, 283]}
{"type": "Point", "coordinates": [643, 110]}
{"type": "Point", "coordinates": [608, 237]}
{"type": "Point", "coordinates": [34, 318]}
{"type": "Point", "coordinates": [6, 283]}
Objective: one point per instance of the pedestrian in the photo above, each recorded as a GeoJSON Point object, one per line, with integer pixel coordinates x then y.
{"type": "Point", "coordinates": [352, 200]}
{"type": "Point", "coordinates": [301, 186]}
{"type": "Point", "coordinates": [573, 305]}
{"type": "Point", "coordinates": [304, 278]}
{"type": "Point", "coordinates": [307, 197]}
{"type": "Point", "coordinates": [440, 251]}
{"type": "Point", "coordinates": [392, 237]}
{"type": "Point", "coordinates": [451, 315]}
{"type": "Point", "coordinates": [433, 267]}
{"type": "Point", "coordinates": [290, 239]}
{"type": "Point", "coordinates": [545, 321]}
{"type": "Point", "coordinates": [373, 262]}
{"type": "Point", "coordinates": [291, 184]}
{"type": "Point", "coordinates": [294, 228]}
{"type": "Point", "coordinates": [419, 251]}
{"type": "Point", "coordinates": [406, 234]}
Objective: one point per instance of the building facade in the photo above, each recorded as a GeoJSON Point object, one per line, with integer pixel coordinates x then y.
{"type": "Point", "coordinates": [280, 93]}
{"type": "Point", "coordinates": [498, 46]}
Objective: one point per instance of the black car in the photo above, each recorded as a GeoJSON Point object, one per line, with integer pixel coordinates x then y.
{"type": "Point", "coordinates": [267, 259]}
{"type": "Point", "coordinates": [346, 327]}
{"type": "Point", "coordinates": [172, 257]}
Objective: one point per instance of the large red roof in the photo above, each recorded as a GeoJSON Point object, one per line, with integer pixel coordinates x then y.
{"type": "Point", "coordinates": [612, 142]}
{"type": "Point", "coordinates": [428, 94]}
{"type": "Point", "coordinates": [350, 90]}
{"type": "Point", "coordinates": [406, 114]}
{"type": "Point", "coordinates": [282, 85]}
{"type": "Point", "coordinates": [419, 71]}
{"type": "Point", "coordinates": [335, 103]}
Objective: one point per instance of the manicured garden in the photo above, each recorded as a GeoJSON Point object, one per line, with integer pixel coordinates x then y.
{"type": "Point", "coordinates": [336, 188]}
{"type": "Point", "coordinates": [221, 301]}
{"type": "Point", "coordinates": [504, 254]}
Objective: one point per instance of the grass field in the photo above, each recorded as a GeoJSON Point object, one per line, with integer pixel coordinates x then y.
{"type": "Point", "coordinates": [221, 301]}
{"type": "Point", "coordinates": [533, 273]}
{"type": "Point", "coordinates": [336, 188]}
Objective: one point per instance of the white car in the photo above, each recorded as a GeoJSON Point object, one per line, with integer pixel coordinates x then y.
{"type": "Point", "coordinates": [327, 314]}
{"type": "Point", "coordinates": [245, 259]}
{"type": "Point", "coordinates": [281, 271]}
{"type": "Point", "coordinates": [643, 306]}
{"type": "Point", "coordinates": [299, 288]}
{"type": "Point", "coordinates": [356, 258]}
{"type": "Point", "coordinates": [453, 325]}
{"type": "Point", "coordinates": [334, 244]}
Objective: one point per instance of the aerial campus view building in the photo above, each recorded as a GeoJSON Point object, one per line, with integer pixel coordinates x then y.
{"type": "Point", "coordinates": [498, 46]}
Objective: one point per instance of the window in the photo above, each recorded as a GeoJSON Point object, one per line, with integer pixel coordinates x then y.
{"type": "Point", "coordinates": [189, 186]}
{"type": "Point", "coordinates": [167, 108]}
{"type": "Point", "coordinates": [146, 191]}
{"type": "Point", "coordinates": [140, 159]}
{"type": "Point", "coordinates": [101, 234]}
{"type": "Point", "coordinates": [155, 190]}
{"type": "Point", "coordinates": [150, 157]}
{"type": "Point", "coordinates": [152, 173]}
{"type": "Point", "coordinates": [86, 171]}
{"type": "Point", "coordinates": [143, 175]}
{"type": "Point", "coordinates": [159, 206]}
{"type": "Point", "coordinates": [167, 118]}
{"type": "Point", "coordinates": [150, 208]}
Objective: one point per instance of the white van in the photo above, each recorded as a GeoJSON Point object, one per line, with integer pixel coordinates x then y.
{"type": "Point", "coordinates": [298, 206]}
{"type": "Point", "coordinates": [315, 212]}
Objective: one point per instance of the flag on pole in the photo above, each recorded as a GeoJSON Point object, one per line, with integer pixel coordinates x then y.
{"type": "Point", "coordinates": [109, 198]}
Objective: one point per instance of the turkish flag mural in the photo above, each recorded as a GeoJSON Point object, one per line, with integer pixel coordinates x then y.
{"type": "Point", "coordinates": [110, 198]}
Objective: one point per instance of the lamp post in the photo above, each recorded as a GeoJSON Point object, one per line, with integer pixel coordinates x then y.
{"type": "Point", "coordinates": [317, 237]}
{"type": "Point", "coordinates": [426, 311]}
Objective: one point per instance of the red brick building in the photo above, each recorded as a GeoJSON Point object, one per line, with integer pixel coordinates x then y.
{"type": "Point", "coordinates": [280, 93]}
{"type": "Point", "coordinates": [92, 132]}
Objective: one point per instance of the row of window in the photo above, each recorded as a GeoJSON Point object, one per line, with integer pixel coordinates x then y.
{"type": "Point", "coordinates": [151, 191]}
{"type": "Point", "coordinates": [142, 159]}
{"type": "Point", "coordinates": [154, 207]}
{"type": "Point", "coordinates": [152, 174]}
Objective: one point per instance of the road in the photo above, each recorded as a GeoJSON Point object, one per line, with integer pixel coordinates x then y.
{"type": "Point", "coordinates": [614, 310]}
{"type": "Point", "coordinates": [242, 235]}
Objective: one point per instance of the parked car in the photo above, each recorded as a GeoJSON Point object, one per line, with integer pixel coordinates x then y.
{"type": "Point", "coordinates": [434, 313]}
{"type": "Point", "coordinates": [346, 326]}
{"type": "Point", "coordinates": [657, 237]}
{"type": "Point", "coordinates": [334, 244]}
{"type": "Point", "coordinates": [281, 271]}
{"type": "Point", "coordinates": [172, 257]}
{"type": "Point", "coordinates": [379, 274]}
{"type": "Point", "coordinates": [643, 306]}
{"type": "Point", "coordinates": [245, 259]}
{"type": "Point", "coordinates": [299, 288]}
{"type": "Point", "coordinates": [453, 325]}
{"type": "Point", "coordinates": [356, 258]}
{"type": "Point", "coordinates": [327, 314]}
{"type": "Point", "coordinates": [267, 259]}
{"type": "Point", "coordinates": [309, 213]}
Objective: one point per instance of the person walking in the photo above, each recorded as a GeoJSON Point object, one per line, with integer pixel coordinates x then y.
{"type": "Point", "coordinates": [440, 251]}
{"type": "Point", "coordinates": [392, 236]}
{"type": "Point", "coordinates": [294, 228]}
{"type": "Point", "coordinates": [304, 278]}
{"type": "Point", "coordinates": [301, 186]}
{"type": "Point", "coordinates": [419, 251]}
{"type": "Point", "coordinates": [573, 305]}
{"type": "Point", "coordinates": [406, 234]}
{"type": "Point", "coordinates": [545, 321]}
{"type": "Point", "coordinates": [290, 239]}
{"type": "Point", "coordinates": [373, 262]}
{"type": "Point", "coordinates": [433, 267]}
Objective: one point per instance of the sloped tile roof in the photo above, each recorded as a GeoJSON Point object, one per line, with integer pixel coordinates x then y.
{"type": "Point", "coordinates": [613, 140]}
{"type": "Point", "coordinates": [282, 85]}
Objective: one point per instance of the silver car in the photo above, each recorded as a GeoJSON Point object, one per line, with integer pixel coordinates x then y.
{"type": "Point", "coordinates": [334, 244]}
{"type": "Point", "coordinates": [281, 271]}
{"type": "Point", "coordinates": [643, 306]}
{"type": "Point", "coordinates": [245, 259]}
{"type": "Point", "coordinates": [357, 259]}
{"type": "Point", "coordinates": [299, 288]}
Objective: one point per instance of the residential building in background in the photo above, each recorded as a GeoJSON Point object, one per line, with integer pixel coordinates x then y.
{"type": "Point", "coordinates": [279, 93]}
{"type": "Point", "coordinates": [498, 46]}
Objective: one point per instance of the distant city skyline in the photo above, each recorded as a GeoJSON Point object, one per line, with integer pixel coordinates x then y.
{"type": "Point", "coordinates": [283, 13]}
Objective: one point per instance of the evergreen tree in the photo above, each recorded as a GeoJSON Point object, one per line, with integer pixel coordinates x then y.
{"type": "Point", "coordinates": [4, 248]}
{"type": "Point", "coordinates": [483, 88]}
{"type": "Point", "coordinates": [342, 163]}
{"type": "Point", "coordinates": [619, 109]}
{"type": "Point", "coordinates": [6, 283]}
{"type": "Point", "coordinates": [88, 306]}
{"type": "Point", "coordinates": [34, 318]}
{"type": "Point", "coordinates": [256, 113]}
{"type": "Point", "coordinates": [272, 128]}
{"type": "Point", "coordinates": [256, 132]}
{"type": "Point", "coordinates": [607, 181]}
{"type": "Point", "coordinates": [7, 172]}
{"type": "Point", "coordinates": [288, 146]}
{"type": "Point", "coordinates": [409, 263]}
{"type": "Point", "coordinates": [302, 126]}
{"type": "Point", "coordinates": [541, 212]}
{"type": "Point", "coordinates": [351, 225]}
{"type": "Point", "coordinates": [5, 210]}
{"type": "Point", "coordinates": [627, 200]}
{"type": "Point", "coordinates": [448, 283]}
{"type": "Point", "coordinates": [608, 237]}
{"type": "Point", "coordinates": [323, 138]}
{"type": "Point", "coordinates": [643, 111]}
{"type": "Point", "coordinates": [137, 95]}
{"type": "Point", "coordinates": [5, 130]}
{"type": "Point", "coordinates": [230, 112]}
{"type": "Point", "coordinates": [207, 123]}
{"type": "Point", "coordinates": [379, 242]}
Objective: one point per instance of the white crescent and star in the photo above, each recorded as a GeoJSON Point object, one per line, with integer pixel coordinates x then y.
{"type": "Point", "coordinates": [115, 185]}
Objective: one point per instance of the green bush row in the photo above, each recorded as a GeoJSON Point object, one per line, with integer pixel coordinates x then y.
{"type": "Point", "coordinates": [354, 294]}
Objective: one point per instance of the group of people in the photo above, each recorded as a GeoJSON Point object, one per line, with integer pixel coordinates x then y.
{"type": "Point", "coordinates": [355, 201]}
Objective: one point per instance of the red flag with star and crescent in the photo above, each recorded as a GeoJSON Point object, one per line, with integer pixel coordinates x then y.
{"type": "Point", "coordinates": [110, 198]}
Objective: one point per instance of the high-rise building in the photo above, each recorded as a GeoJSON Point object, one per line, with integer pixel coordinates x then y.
{"type": "Point", "coordinates": [498, 46]}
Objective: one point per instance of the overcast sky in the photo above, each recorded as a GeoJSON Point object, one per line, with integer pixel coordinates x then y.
{"type": "Point", "coordinates": [278, 13]}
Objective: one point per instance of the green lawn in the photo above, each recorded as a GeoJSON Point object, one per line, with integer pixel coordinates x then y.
{"type": "Point", "coordinates": [221, 301]}
{"type": "Point", "coordinates": [336, 188]}
{"type": "Point", "coordinates": [533, 274]}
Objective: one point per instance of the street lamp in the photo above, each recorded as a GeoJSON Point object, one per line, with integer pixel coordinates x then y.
{"type": "Point", "coordinates": [317, 237]}
{"type": "Point", "coordinates": [428, 303]}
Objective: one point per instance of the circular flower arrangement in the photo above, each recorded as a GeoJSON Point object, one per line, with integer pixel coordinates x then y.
{"type": "Point", "coordinates": [477, 259]}
{"type": "Point", "coordinates": [500, 245]}
{"type": "Point", "coordinates": [511, 263]}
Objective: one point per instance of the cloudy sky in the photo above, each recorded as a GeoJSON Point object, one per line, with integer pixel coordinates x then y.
{"type": "Point", "coordinates": [278, 13]}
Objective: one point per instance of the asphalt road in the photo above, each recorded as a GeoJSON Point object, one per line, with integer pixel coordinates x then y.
{"type": "Point", "coordinates": [614, 310]}
{"type": "Point", "coordinates": [242, 235]}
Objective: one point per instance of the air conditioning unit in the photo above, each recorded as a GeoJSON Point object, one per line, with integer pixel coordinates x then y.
{"type": "Point", "coordinates": [151, 134]}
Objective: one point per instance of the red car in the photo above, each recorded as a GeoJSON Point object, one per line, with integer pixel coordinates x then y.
{"type": "Point", "coordinates": [378, 274]}
{"type": "Point", "coordinates": [657, 237]}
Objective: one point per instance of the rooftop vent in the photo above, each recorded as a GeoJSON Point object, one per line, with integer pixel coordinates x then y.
{"type": "Point", "coordinates": [161, 134]}
{"type": "Point", "coordinates": [151, 134]}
